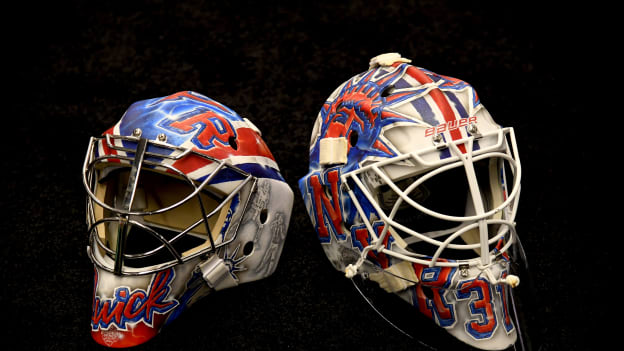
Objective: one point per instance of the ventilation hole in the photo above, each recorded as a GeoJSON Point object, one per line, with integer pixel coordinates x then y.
{"type": "Point", "coordinates": [386, 92]}
{"type": "Point", "coordinates": [248, 248]}
{"type": "Point", "coordinates": [353, 138]}
{"type": "Point", "coordinates": [232, 142]}
{"type": "Point", "coordinates": [427, 291]}
{"type": "Point", "coordinates": [264, 215]}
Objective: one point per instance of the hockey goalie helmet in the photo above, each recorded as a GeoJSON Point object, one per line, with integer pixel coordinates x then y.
{"type": "Point", "coordinates": [184, 197]}
{"type": "Point", "coordinates": [414, 186]}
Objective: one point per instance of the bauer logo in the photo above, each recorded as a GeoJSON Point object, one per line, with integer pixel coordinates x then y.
{"type": "Point", "coordinates": [451, 125]}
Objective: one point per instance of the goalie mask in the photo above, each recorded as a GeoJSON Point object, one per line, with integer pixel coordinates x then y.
{"type": "Point", "coordinates": [184, 197]}
{"type": "Point", "coordinates": [412, 185]}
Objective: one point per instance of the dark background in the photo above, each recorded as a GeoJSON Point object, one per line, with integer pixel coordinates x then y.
{"type": "Point", "coordinates": [74, 67]}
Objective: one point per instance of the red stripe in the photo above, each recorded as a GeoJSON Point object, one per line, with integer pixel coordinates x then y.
{"type": "Point", "coordinates": [106, 150]}
{"type": "Point", "coordinates": [439, 98]}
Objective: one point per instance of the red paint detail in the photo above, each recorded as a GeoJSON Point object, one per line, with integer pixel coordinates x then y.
{"type": "Point", "coordinates": [484, 304]}
{"type": "Point", "coordinates": [450, 126]}
{"type": "Point", "coordinates": [335, 130]}
{"type": "Point", "coordinates": [380, 146]}
{"type": "Point", "coordinates": [503, 293]}
{"type": "Point", "coordinates": [499, 246]}
{"type": "Point", "coordinates": [364, 103]}
{"type": "Point", "coordinates": [249, 144]}
{"type": "Point", "coordinates": [134, 335]}
{"type": "Point", "coordinates": [137, 304]}
{"type": "Point", "coordinates": [106, 149]}
{"type": "Point", "coordinates": [322, 201]}
{"type": "Point", "coordinates": [210, 130]}
{"type": "Point", "coordinates": [388, 114]}
{"type": "Point", "coordinates": [450, 81]}
{"type": "Point", "coordinates": [396, 96]}
{"type": "Point", "coordinates": [126, 310]}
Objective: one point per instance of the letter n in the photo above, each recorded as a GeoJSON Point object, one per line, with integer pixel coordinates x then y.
{"type": "Point", "coordinates": [324, 207]}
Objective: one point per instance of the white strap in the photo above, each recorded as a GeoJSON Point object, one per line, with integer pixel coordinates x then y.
{"type": "Point", "coordinates": [333, 151]}
{"type": "Point", "coordinates": [217, 274]}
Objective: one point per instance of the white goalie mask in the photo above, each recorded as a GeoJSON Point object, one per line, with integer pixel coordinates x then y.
{"type": "Point", "coordinates": [414, 186]}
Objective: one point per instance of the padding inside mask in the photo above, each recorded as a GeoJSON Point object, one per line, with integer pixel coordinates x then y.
{"type": "Point", "coordinates": [156, 191]}
{"type": "Point", "coordinates": [447, 193]}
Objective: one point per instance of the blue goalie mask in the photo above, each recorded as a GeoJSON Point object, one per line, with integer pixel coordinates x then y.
{"type": "Point", "coordinates": [184, 198]}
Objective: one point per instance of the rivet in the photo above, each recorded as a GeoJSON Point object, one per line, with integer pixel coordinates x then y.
{"type": "Point", "coordinates": [472, 128]}
{"type": "Point", "coordinates": [463, 270]}
{"type": "Point", "coordinates": [137, 132]}
{"type": "Point", "coordinates": [162, 137]}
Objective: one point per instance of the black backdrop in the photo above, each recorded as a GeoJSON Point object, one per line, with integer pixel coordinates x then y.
{"type": "Point", "coordinates": [74, 67]}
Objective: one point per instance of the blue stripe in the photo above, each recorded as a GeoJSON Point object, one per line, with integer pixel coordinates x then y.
{"type": "Point", "coordinates": [422, 106]}
{"type": "Point", "coordinates": [457, 104]}
{"type": "Point", "coordinates": [229, 175]}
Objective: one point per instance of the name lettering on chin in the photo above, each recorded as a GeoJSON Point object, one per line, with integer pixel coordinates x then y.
{"type": "Point", "coordinates": [451, 125]}
{"type": "Point", "coordinates": [132, 306]}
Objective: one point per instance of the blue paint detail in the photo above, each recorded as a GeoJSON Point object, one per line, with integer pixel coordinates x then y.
{"type": "Point", "coordinates": [155, 116]}
{"type": "Point", "coordinates": [431, 275]}
{"type": "Point", "coordinates": [192, 287]}
{"type": "Point", "coordinates": [221, 135]}
{"type": "Point", "coordinates": [229, 175]}
{"type": "Point", "coordinates": [502, 291]}
{"type": "Point", "coordinates": [456, 104]}
{"type": "Point", "coordinates": [422, 106]}
{"type": "Point", "coordinates": [401, 84]}
{"type": "Point", "coordinates": [146, 115]}
{"type": "Point", "coordinates": [144, 304]}
{"type": "Point", "coordinates": [228, 219]}
{"type": "Point", "coordinates": [375, 226]}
